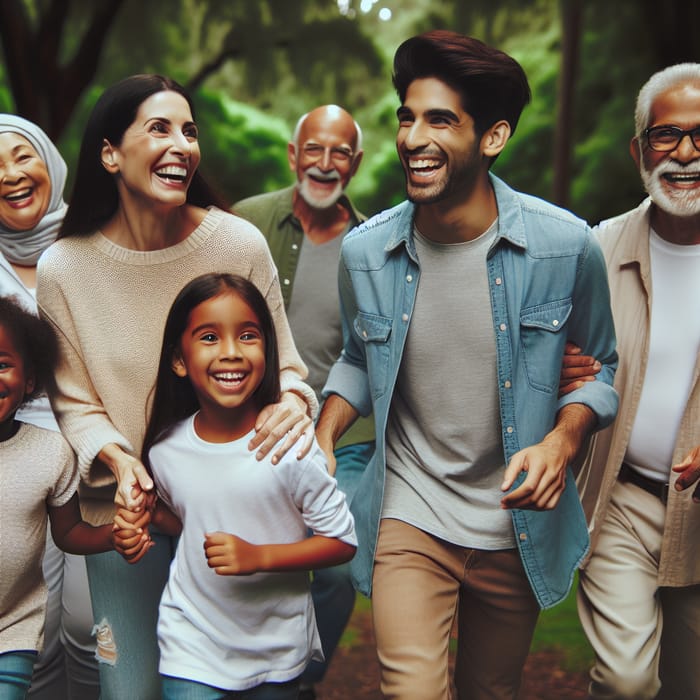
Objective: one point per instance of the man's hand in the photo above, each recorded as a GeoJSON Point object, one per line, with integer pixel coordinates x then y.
{"type": "Point", "coordinates": [689, 470]}
{"type": "Point", "coordinates": [545, 465]}
{"type": "Point", "coordinates": [576, 369]}
{"type": "Point", "coordinates": [546, 462]}
{"type": "Point", "coordinates": [287, 418]}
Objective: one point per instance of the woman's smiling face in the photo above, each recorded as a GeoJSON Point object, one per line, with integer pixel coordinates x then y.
{"type": "Point", "coordinates": [25, 186]}
{"type": "Point", "coordinates": [159, 152]}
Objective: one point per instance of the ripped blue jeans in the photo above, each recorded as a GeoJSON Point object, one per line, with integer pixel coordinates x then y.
{"type": "Point", "coordinates": [125, 600]}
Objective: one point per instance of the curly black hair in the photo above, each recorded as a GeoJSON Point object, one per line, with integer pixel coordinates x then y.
{"type": "Point", "coordinates": [34, 340]}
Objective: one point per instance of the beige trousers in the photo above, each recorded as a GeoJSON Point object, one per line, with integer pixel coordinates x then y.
{"type": "Point", "coordinates": [421, 584]}
{"type": "Point", "coordinates": [645, 638]}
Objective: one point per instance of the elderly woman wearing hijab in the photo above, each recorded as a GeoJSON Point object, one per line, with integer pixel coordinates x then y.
{"type": "Point", "coordinates": [32, 178]}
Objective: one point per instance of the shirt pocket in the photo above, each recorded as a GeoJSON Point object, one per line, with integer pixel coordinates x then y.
{"type": "Point", "coordinates": [543, 342]}
{"type": "Point", "coordinates": [374, 332]}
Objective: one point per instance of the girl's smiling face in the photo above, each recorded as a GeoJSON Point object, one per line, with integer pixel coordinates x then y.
{"type": "Point", "coordinates": [25, 186]}
{"type": "Point", "coordinates": [15, 382]}
{"type": "Point", "coordinates": [222, 353]}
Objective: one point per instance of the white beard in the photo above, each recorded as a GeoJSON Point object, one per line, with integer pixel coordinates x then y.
{"type": "Point", "coordinates": [675, 201]}
{"type": "Point", "coordinates": [312, 199]}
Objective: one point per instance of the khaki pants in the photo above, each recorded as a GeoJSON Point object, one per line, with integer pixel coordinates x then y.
{"type": "Point", "coordinates": [644, 637]}
{"type": "Point", "coordinates": [420, 585]}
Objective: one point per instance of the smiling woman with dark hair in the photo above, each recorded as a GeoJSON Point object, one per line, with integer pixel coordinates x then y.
{"type": "Point", "coordinates": [140, 225]}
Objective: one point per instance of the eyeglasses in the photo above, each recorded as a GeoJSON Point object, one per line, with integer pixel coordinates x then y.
{"type": "Point", "coordinates": [339, 155]}
{"type": "Point", "coordinates": [668, 138]}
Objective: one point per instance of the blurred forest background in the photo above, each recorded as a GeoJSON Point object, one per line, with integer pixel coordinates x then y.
{"type": "Point", "coordinates": [255, 66]}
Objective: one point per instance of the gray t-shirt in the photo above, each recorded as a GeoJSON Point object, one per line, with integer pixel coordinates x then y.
{"type": "Point", "coordinates": [445, 458]}
{"type": "Point", "coordinates": [315, 320]}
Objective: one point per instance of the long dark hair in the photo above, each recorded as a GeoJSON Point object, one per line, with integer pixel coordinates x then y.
{"type": "Point", "coordinates": [174, 398]}
{"type": "Point", "coordinates": [95, 198]}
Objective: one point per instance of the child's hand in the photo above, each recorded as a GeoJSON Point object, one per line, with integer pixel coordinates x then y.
{"type": "Point", "coordinates": [130, 534]}
{"type": "Point", "coordinates": [229, 555]}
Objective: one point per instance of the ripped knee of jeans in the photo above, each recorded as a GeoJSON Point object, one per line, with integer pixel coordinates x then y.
{"type": "Point", "coordinates": [106, 650]}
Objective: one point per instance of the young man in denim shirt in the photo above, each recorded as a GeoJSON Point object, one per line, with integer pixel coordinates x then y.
{"type": "Point", "coordinates": [456, 308]}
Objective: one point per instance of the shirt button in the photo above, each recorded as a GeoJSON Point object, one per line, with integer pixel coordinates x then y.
{"type": "Point", "coordinates": [509, 429]}
{"type": "Point", "coordinates": [364, 334]}
{"type": "Point", "coordinates": [507, 384]}
{"type": "Point", "coordinates": [409, 278]}
{"type": "Point", "coordinates": [523, 536]}
{"type": "Point", "coordinates": [404, 317]}
{"type": "Point", "coordinates": [555, 322]}
{"type": "Point", "coordinates": [285, 281]}
{"type": "Point", "coordinates": [503, 326]}
{"type": "Point", "coordinates": [498, 280]}
{"type": "Point", "coordinates": [295, 246]}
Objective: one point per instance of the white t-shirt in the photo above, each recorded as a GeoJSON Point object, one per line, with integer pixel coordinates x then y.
{"type": "Point", "coordinates": [674, 343]}
{"type": "Point", "coordinates": [236, 632]}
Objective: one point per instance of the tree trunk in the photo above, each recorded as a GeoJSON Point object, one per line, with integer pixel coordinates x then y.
{"type": "Point", "coordinates": [571, 11]}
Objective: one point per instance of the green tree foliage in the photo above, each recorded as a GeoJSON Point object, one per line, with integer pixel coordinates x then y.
{"type": "Point", "coordinates": [284, 58]}
{"type": "Point", "coordinates": [243, 150]}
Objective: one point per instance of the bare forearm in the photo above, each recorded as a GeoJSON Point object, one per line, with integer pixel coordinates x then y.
{"type": "Point", "coordinates": [314, 552]}
{"type": "Point", "coordinates": [84, 538]}
{"type": "Point", "coordinates": [574, 423]}
{"type": "Point", "coordinates": [336, 417]}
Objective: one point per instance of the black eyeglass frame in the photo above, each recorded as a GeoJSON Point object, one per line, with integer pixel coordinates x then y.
{"type": "Point", "coordinates": [679, 133]}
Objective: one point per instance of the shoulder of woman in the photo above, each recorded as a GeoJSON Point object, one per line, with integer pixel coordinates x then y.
{"type": "Point", "coordinates": [62, 253]}
{"type": "Point", "coordinates": [232, 222]}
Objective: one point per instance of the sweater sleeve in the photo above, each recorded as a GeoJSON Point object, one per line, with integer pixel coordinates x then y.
{"type": "Point", "coordinates": [81, 416]}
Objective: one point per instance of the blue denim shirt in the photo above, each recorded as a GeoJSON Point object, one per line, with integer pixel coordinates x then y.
{"type": "Point", "coordinates": [548, 284]}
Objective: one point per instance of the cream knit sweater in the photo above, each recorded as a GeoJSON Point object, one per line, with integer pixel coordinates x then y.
{"type": "Point", "coordinates": [108, 305]}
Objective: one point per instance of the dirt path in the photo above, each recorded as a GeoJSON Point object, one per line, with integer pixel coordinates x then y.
{"type": "Point", "coordinates": [354, 673]}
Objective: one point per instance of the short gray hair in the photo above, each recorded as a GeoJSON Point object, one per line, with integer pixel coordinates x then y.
{"type": "Point", "coordinates": [658, 83]}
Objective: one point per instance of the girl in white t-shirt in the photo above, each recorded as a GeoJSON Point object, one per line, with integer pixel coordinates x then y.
{"type": "Point", "coordinates": [39, 476]}
{"type": "Point", "coordinates": [236, 617]}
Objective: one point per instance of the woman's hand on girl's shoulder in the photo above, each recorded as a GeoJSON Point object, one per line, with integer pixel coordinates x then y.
{"type": "Point", "coordinates": [281, 425]}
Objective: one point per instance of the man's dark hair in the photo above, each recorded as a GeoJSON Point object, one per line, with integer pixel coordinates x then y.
{"type": "Point", "coordinates": [492, 85]}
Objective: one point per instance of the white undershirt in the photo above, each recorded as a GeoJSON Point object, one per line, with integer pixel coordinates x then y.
{"type": "Point", "coordinates": [674, 342]}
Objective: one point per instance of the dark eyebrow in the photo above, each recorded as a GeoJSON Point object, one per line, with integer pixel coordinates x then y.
{"type": "Point", "coordinates": [403, 111]}
{"type": "Point", "coordinates": [444, 113]}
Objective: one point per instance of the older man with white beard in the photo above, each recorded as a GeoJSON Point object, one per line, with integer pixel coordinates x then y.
{"type": "Point", "coordinates": [639, 594]}
{"type": "Point", "coordinates": [304, 225]}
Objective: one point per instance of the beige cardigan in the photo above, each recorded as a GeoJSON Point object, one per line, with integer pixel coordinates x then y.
{"type": "Point", "coordinates": [625, 243]}
{"type": "Point", "coordinates": [108, 305]}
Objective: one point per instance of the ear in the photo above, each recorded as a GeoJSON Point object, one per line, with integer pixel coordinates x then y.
{"type": "Point", "coordinates": [292, 156]}
{"type": "Point", "coordinates": [356, 163]}
{"type": "Point", "coordinates": [178, 366]}
{"type": "Point", "coordinates": [107, 156]}
{"type": "Point", "coordinates": [635, 152]}
{"type": "Point", "coordinates": [29, 385]}
{"type": "Point", "coordinates": [495, 138]}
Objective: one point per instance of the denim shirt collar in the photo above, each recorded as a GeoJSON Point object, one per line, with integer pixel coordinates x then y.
{"type": "Point", "coordinates": [510, 226]}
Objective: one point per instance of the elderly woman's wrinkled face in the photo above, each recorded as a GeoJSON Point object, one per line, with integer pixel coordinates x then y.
{"type": "Point", "coordinates": [25, 187]}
